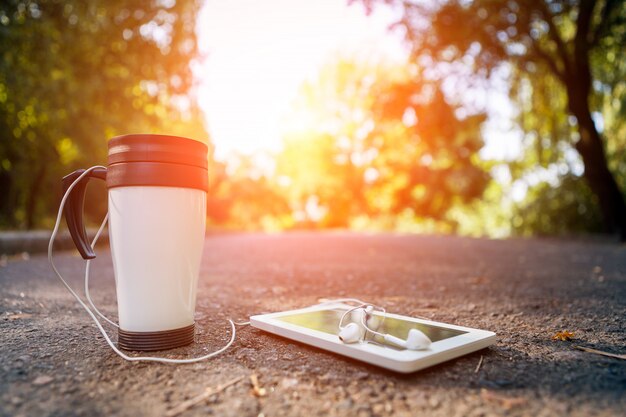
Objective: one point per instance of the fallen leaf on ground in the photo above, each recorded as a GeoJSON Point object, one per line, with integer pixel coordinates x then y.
{"type": "Point", "coordinates": [505, 402]}
{"type": "Point", "coordinates": [563, 336]}
{"type": "Point", "coordinates": [43, 380]}
{"type": "Point", "coordinates": [257, 390]}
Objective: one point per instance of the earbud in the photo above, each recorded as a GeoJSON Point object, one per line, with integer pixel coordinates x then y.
{"type": "Point", "coordinates": [416, 340]}
{"type": "Point", "coordinates": [357, 316]}
{"type": "Point", "coordinates": [365, 320]}
{"type": "Point", "coordinates": [373, 322]}
{"type": "Point", "coordinates": [352, 333]}
{"type": "Point", "coordinates": [355, 331]}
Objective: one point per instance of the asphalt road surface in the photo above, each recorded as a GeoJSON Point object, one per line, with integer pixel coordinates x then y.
{"type": "Point", "coordinates": [53, 361]}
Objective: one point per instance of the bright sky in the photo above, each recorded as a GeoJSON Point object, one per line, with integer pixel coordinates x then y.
{"type": "Point", "coordinates": [260, 52]}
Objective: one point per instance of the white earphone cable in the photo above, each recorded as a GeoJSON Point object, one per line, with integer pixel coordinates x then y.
{"type": "Point", "coordinates": [343, 316]}
{"type": "Point", "coordinates": [88, 310]}
{"type": "Point", "coordinates": [87, 269]}
{"type": "Point", "coordinates": [364, 323]}
{"type": "Point", "coordinates": [362, 306]}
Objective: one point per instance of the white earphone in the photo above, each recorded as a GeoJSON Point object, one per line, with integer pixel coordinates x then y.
{"type": "Point", "coordinates": [354, 332]}
{"type": "Point", "coordinates": [364, 320]}
{"type": "Point", "coordinates": [416, 340]}
{"type": "Point", "coordinates": [351, 333]}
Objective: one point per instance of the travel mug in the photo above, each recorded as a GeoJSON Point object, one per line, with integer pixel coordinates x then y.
{"type": "Point", "coordinates": [157, 190]}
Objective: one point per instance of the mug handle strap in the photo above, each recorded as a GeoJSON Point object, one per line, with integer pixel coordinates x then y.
{"type": "Point", "coordinates": [74, 208]}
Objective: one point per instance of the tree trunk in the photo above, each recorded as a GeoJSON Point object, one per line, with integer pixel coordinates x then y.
{"type": "Point", "coordinates": [33, 195]}
{"type": "Point", "coordinates": [590, 145]}
{"type": "Point", "coordinates": [7, 202]}
{"type": "Point", "coordinates": [597, 173]}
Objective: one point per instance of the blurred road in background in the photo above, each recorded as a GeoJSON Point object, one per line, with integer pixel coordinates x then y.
{"type": "Point", "coordinates": [53, 361]}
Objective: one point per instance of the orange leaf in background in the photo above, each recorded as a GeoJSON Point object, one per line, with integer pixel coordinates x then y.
{"type": "Point", "coordinates": [563, 336]}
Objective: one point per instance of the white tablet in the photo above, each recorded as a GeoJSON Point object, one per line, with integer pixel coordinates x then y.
{"type": "Point", "coordinates": [318, 326]}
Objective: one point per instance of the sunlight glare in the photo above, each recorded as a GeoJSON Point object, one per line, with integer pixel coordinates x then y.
{"type": "Point", "coordinates": [258, 54]}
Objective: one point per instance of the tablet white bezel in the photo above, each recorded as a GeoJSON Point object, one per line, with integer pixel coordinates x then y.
{"type": "Point", "coordinates": [404, 361]}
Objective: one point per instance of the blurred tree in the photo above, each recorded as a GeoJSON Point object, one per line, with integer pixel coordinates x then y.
{"type": "Point", "coordinates": [565, 58]}
{"type": "Point", "coordinates": [373, 140]}
{"type": "Point", "coordinates": [241, 196]}
{"type": "Point", "coordinates": [75, 73]}
{"type": "Point", "coordinates": [557, 211]}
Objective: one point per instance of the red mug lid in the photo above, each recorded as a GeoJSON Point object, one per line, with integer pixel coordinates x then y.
{"type": "Point", "coordinates": [157, 148]}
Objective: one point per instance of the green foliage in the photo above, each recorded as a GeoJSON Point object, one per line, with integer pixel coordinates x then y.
{"type": "Point", "coordinates": [609, 97]}
{"type": "Point", "coordinates": [488, 216]}
{"type": "Point", "coordinates": [76, 73]}
{"type": "Point", "coordinates": [244, 198]}
{"type": "Point", "coordinates": [367, 146]}
{"type": "Point", "coordinates": [569, 208]}
{"type": "Point", "coordinates": [378, 141]}
{"type": "Point", "coordinates": [565, 62]}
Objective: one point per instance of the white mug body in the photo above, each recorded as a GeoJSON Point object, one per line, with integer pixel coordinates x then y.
{"type": "Point", "coordinates": [156, 235]}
